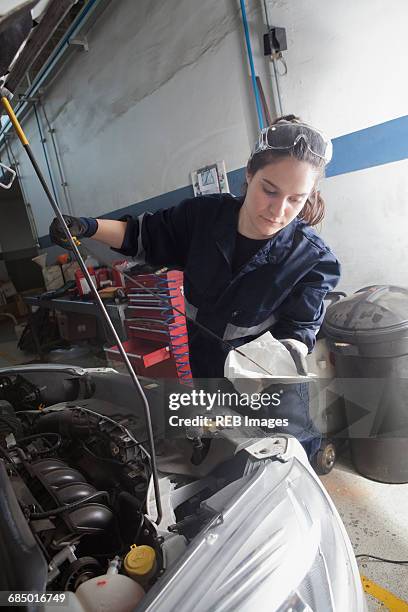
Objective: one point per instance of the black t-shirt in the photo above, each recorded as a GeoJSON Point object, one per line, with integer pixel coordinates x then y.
{"type": "Point", "coordinates": [245, 249]}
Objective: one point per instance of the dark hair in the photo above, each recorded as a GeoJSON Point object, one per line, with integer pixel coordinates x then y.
{"type": "Point", "coordinates": [313, 211]}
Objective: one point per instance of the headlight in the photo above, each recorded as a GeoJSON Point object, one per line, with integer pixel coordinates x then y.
{"type": "Point", "coordinates": [278, 545]}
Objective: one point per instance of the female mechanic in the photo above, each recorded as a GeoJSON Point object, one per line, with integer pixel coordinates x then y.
{"type": "Point", "coordinates": [251, 263]}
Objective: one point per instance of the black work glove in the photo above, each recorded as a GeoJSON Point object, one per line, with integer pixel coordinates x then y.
{"type": "Point", "coordinates": [298, 352]}
{"type": "Point", "coordinates": [80, 227]}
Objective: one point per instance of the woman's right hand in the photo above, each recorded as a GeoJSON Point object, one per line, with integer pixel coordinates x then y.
{"type": "Point", "coordinates": [80, 227]}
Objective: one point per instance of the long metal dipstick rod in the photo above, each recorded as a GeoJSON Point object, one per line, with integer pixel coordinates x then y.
{"type": "Point", "coordinates": [203, 328]}
{"type": "Point", "coordinates": [73, 246]}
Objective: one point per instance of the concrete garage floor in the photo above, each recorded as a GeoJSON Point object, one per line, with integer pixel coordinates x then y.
{"type": "Point", "coordinates": [11, 355]}
{"type": "Point", "coordinates": [376, 518]}
{"type": "Point", "coordinates": [375, 514]}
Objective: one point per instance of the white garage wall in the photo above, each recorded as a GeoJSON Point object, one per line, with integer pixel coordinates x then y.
{"type": "Point", "coordinates": [165, 88]}
{"type": "Point", "coordinates": [346, 73]}
{"type": "Point", "coordinates": [366, 225]}
{"type": "Point", "coordinates": [345, 61]}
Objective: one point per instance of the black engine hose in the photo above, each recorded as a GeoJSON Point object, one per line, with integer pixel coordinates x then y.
{"type": "Point", "coordinates": [61, 509]}
{"type": "Point", "coordinates": [9, 459]}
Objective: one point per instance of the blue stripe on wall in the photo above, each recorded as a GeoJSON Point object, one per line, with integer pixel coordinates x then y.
{"type": "Point", "coordinates": [380, 144]}
{"type": "Point", "coordinates": [236, 179]}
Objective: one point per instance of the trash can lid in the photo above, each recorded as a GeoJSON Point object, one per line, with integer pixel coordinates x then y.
{"type": "Point", "coordinates": [372, 314]}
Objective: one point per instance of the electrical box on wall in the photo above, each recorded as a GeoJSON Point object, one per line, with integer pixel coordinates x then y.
{"type": "Point", "coordinates": [210, 179]}
{"type": "Point", "coordinates": [275, 41]}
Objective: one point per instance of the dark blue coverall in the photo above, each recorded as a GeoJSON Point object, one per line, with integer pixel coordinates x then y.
{"type": "Point", "coordinates": [280, 289]}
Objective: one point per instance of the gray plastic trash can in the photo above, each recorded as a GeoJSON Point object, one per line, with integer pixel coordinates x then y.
{"type": "Point", "coordinates": [368, 334]}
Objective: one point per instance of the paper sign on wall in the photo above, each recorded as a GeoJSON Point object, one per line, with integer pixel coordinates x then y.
{"type": "Point", "coordinates": [210, 179]}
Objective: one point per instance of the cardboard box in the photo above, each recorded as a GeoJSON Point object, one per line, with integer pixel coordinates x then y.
{"type": "Point", "coordinates": [53, 278]}
{"type": "Point", "coordinates": [69, 270]}
{"type": "Point", "coordinates": [8, 289]}
{"type": "Point", "coordinates": [73, 326]}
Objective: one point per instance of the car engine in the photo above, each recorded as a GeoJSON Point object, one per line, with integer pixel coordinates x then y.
{"type": "Point", "coordinates": [80, 474]}
{"type": "Point", "coordinates": [81, 480]}
{"type": "Point", "coordinates": [79, 519]}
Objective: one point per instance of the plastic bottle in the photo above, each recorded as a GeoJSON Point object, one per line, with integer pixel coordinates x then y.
{"type": "Point", "coordinates": [91, 262]}
{"type": "Point", "coordinates": [112, 591]}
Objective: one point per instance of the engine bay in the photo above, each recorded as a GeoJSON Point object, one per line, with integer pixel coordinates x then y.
{"type": "Point", "coordinates": [76, 461]}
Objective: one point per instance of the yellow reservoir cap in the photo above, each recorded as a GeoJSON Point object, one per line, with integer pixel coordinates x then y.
{"type": "Point", "coordinates": [140, 560]}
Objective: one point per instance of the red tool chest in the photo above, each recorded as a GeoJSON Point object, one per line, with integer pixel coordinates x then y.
{"type": "Point", "coordinates": [157, 344]}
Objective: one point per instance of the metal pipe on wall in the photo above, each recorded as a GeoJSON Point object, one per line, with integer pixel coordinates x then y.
{"type": "Point", "coordinates": [53, 60]}
{"type": "Point", "coordinates": [58, 159]}
{"type": "Point", "coordinates": [252, 67]}
{"type": "Point", "coordinates": [47, 161]}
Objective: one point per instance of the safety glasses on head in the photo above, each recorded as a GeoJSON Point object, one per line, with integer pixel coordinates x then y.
{"type": "Point", "coordinates": [284, 135]}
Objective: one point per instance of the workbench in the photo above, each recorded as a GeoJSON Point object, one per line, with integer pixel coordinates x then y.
{"type": "Point", "coordinates": [86, 307]}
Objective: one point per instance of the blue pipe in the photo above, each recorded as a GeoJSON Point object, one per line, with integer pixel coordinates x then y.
{"type": "Point", "coordinates": [47, 161]}
{"type": "Point", "coordinates": [251, 63]}
{"type": "Point", "coordinates": [52, 60]}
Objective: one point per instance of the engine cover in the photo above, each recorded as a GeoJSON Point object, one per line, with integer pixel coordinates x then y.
{"type": "Point", "coordinates": [55, 484]}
